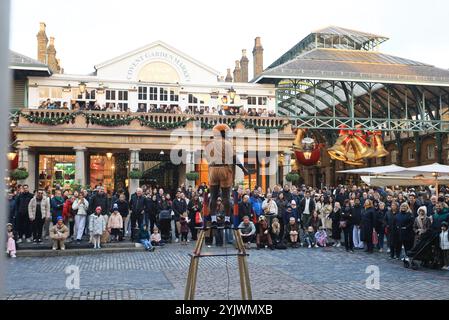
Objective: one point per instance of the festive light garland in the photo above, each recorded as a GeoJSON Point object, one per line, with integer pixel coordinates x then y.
{"type": "Point", "coordinates": [116, 122]}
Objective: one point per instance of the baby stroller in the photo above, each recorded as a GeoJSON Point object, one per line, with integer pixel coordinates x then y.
{"type": "Point", "coordinates": [426, 251]}
{"type": "Point", "coordinates": [165, 225]}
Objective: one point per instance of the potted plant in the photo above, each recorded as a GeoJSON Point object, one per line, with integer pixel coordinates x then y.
{"type": "Point", "coordinates": [135, 174]}
{"type": "Point", "coordinates": [192, 176]}
{"type": "Point", "coordinates": [19, 174]}
{"type": "Point", "coordinates": [292, 177]}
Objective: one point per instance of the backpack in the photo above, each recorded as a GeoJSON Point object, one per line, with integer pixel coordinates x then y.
{"type": "Point", "coordinates": [281, 246]}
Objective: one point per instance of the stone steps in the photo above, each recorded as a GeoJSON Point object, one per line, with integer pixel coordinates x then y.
{"type": "Point", "coordinates": [75, 251]}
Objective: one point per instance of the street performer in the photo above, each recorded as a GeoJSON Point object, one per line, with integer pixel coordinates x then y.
{"type": "Point", "coordinates": [222, 161]}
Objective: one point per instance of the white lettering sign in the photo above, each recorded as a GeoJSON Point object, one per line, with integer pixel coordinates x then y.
{"type": "Point", "coordinates": [158, 55]}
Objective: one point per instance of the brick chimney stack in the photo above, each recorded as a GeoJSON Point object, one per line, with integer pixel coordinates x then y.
{"type": "Point", "coordinates": [228, 76]}
{"type": "Point", "coordinates": [42, 42]}
{"type": "Point", "coordinates": [51, 56]}
{"type": "Point", "coordinates": [257, 57]}
{"type": "Point", "coordinates": [237, 72]}
{"type": "Point", "coordinates": [244, 66]}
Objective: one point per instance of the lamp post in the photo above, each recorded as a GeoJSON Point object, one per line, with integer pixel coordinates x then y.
{"type": "Point", "coordinates": [11, 155]}
{"type": "Point", "coordinates": [231, 93]}
{"type": "Point", "coordinates": [82, 87]}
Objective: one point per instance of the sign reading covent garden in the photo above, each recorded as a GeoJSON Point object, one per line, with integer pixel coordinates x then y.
{"type": "Point", "coordinates": [158, 55]}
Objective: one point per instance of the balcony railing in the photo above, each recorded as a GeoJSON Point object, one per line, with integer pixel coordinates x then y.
{"type": "Point", "coordinates": [89, 119]}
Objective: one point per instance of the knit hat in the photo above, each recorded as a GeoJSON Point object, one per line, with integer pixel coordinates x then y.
{"type": "Point", "coordinates": [293, 203]}
{"type": "Point", "coordinates": [444, 224]}
{"type": "Point", "coordinates": [115, 207]}
{"type": "Point", "coordinates": [98, 208]}
{"type": "Point", "coordinates": [423, 208]}
{"type": "Point", "coordinates": [59, 218]}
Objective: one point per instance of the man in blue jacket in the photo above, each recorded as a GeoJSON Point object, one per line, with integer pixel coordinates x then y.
{"type": "Point", "coordinates": [256, 204]}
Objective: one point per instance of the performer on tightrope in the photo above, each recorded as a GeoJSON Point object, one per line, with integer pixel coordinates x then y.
{"type": "Point", "coordinates": [222, 161]}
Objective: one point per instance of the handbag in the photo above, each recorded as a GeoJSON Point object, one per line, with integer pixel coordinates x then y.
{"type": "Point", "coordinates": [198, 219]}
{"type": "Point", "coordinates": [375, 238]}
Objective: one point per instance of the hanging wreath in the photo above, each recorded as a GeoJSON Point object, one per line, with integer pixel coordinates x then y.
{"type": "Point", "coordinates": [292, 177]}
{"type": "Point", "coordinates": [135, 174]}
{"type": "Point", "coordinates": [192, 176]}
{"type": "Point", "coordinates": [19, 174]}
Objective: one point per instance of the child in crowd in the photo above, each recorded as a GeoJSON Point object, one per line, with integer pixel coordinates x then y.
{"type": "Point", "coordinates": [309, 238]}
{"type": "Point", "coordinates": [444, 245]}
{"type": "Point", "coordinates": [144, 238]}
{"type": "Point", "coordinates": [115, 224]}
{"type": "Point", "coordinates": [97, 226]}
{"type": "Point", "coordinates": [105, 237]}
{"type": "Point", "coordinates": [321, 238]}
{"type": "Point", "coordinates": [156, 237]}
{"type": "Point", "coordinates": [184, 221]}
{"type": "Point", "coordinates": [293, 232]}
{"type": "Point", "coordinates": [11, 244]}
{"type": "Point", "coordinates": [276, 231]}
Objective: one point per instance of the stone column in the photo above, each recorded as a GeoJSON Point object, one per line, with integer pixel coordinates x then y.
{"type": "Point", "coordinates": [287, 165]}
{"type": "Point", "coordinates": [273, 171]}
{"type": "Point", "coordinates": [190, 167]}
{"type": "Point", "coordinates": [239, 175]}
{"type": "Point", "coordinates": [80, 165]}
{"type": "Point", "coordinates": [134, 163]}
{"type": "Point", "coordinates": [27, 161]}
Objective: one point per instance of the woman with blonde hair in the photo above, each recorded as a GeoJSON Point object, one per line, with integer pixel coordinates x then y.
{"type": "Point", "coordinates": [368, 225]}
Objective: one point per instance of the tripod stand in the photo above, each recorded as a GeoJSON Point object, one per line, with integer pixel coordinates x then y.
{"type": "Point", "coordinates": [245, 285]}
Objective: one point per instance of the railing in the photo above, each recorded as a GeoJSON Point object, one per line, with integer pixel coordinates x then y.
{"type": "Point", "coordinates": [158, 120]}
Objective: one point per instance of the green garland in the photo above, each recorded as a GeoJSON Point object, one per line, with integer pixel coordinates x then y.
{"type": "Point", "coordinates": [116, 122]}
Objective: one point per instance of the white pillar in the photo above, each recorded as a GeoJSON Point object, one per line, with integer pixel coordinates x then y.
{"type": "Point", "coordinates": [239, 175]}
{"type": "Point", "coordinates": [80, 165]}
{"type": "Point", "coordinates": [27, 161]}
{"type": "Point", "coordinates": [190, 167]}
{"type": "Point", "coordinates": [134, 163]}
{"type": "Point", "coordinates": [287, 165]}
{"type": "Point", "coordinates": [273, 171]}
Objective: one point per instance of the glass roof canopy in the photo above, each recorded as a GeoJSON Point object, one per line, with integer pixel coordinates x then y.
{"type": "Point", "coordinates": [334, 77]}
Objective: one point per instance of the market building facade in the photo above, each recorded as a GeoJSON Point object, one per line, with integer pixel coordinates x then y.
{"type": "Point", "coordinates": [144, 108]}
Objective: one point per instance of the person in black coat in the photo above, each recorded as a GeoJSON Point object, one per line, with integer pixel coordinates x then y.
{"type": "Point", "coordinates": [347, 224]}
{"type": "Point", "coordinates": [367, 225]}
{"type": "Point", "coordinates": [403, 224]}
{"type": "Point", "coordinates": [100, 199]}
{"type": "Point", "coordinates": [137, 207]}
{"type": "Point", "coordinates": [380, 225]}
{"type": "Point", "coordinates": [194, 208]}
{"type": "Point", "coordinates": [151, 211]}
{"type": "Point", "coordinates": [245, 208]}
{"type": "Point", "coordinates": [123, 208]}
{"type": "Point", "coordinates": [179, 207]}
{"type": "Point", "coordinates": [23, 220]}
{"type": "Point", "coordinates": [392, 233]}
{"type": "Point", "coordinates": [335, 215]}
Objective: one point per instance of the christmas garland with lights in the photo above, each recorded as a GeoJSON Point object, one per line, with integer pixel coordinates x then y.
{"type": "Point", "coordinates": [116, 122]}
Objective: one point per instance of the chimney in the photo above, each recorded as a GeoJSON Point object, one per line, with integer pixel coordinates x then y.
{"type": "Point", "coordinates": [228, 76]}
{"type": "Point", "coordinates": [237, 72]}
{"type": "Point", "coordinates": [42, 42]}
{"type": "Point", "coordinates": [257, 57]}
{"type": "Point", "coordinates": [51, 56]}
{"type": "Point", "coordinates": [244, 66]}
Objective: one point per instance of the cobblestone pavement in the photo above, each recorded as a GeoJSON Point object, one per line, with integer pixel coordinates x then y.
{"type": "Point", "coordinates": [292, 274]}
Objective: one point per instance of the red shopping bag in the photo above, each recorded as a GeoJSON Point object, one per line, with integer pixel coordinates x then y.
{"type": "Point", "coordinates": [375, 238]}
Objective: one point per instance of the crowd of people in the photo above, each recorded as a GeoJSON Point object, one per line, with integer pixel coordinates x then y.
{"type": "Point", "coordinates": [373, 219]}
{"type": "Point", "coordinates": [154, 108]}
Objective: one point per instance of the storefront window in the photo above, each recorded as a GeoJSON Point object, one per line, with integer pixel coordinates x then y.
{"type": "Point", "coordinates": [56, 170]}
{"type": "Point", "coordinates": [203, 170]}
{"type": "Point", "coordinates": [102, 172]}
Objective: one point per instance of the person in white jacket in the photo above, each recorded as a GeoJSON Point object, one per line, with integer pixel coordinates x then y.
{"type": "Point", "coordinates": [97, 225]}
{"type": "Point", "coordinates": [81, 205]}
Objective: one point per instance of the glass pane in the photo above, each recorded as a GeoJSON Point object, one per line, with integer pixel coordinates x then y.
{"type": "Point", "coordinates": [56, 93]}
{"type": "Point", "coordinates": [56, 170]}
{"type": "Point", "coordinates": [44, 93]}
{"type": "Point", "coordinates": [102, 172]}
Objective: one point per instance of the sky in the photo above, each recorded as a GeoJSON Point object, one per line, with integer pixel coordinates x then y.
{"type": "Point", "coordinates": [88, 32]}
